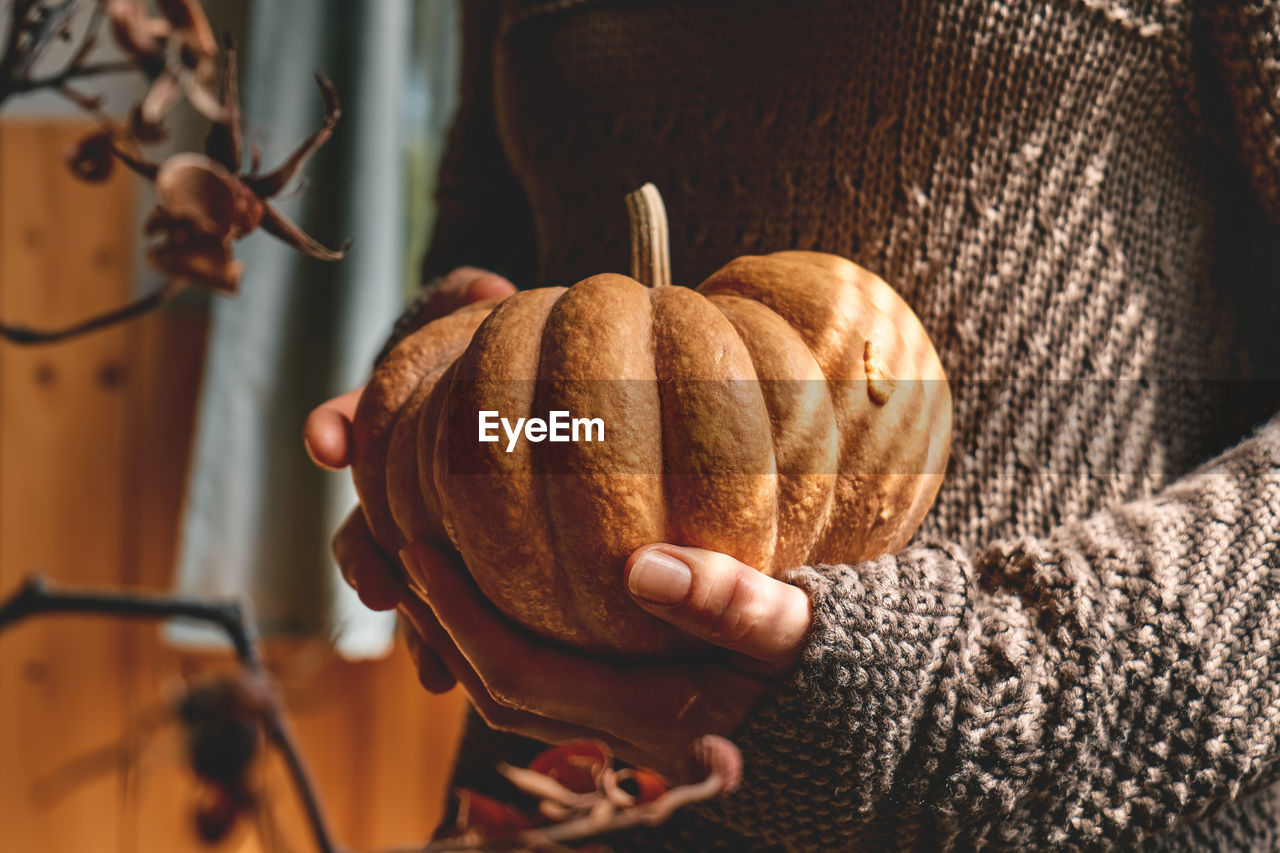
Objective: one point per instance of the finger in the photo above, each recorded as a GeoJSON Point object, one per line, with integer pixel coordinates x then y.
{"type": "Point", "coordinates": [365, 566]}
{"type": "Point", "coordinates": [433, 675]}
{"type": "Point", "coordinates": [488, 286]}
{"type": "Point", "coordinates": [327, 432]}
{"type": "Point", "coordinates": [721, 600]}
{"type": "Point", "coordinates": [438, 641]}
{"type": "Point", "coordinates": [650, 707]}
{"type": "Point", "coordinates": [464, 286]}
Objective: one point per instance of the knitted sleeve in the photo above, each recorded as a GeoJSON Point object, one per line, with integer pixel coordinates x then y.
{"type": "Point", "coordinates": [1244, 38]}
{"type": "Point", "coordinates": [1107, 682]}
{"type": "Point", "coordinates": [482, 215]}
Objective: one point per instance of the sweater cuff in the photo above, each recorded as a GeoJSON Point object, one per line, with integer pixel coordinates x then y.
{"type": "Point", "coordinates": [823, 750]}
{"type": "Point", "coordinates": [412, 318]}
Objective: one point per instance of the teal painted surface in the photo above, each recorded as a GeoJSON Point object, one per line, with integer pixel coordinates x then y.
{"type": "Point", "coordinates": [259, 515]}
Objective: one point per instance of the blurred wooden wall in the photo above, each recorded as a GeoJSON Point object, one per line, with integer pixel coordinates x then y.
{"type": "Point", "coordinates": [94, 438]}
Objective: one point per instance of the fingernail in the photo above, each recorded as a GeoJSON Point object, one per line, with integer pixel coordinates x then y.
{"type": "Point", "coordinates": [659, 578]}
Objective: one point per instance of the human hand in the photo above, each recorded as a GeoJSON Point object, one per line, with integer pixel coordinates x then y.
{"type": "Point", "coordinates": [648, 712]}
{"type": "Point", "coordinates": [327, 437]}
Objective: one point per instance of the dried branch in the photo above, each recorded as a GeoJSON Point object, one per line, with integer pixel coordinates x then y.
{"type": "Point", "coordinates": [18, 11]}
{"type": "Point", "coordinates": [32, 27]}
{"type": "Point", "coordinates": [73, 72]}
{"type": "Point", "coordinates": [36, 598]}
{"type": "Point", "coordinates": [78, 66]}
{"type": "Point", "coordinates": [43, 29]}
{"type": "Point", "coordinates": [14, 54]}
{"type": "Point", "coordinates": [27, 335]}
{"type": "Point", "coordinates": [560, 777]}
{"type": "Point", "coordinates": [204, 202]}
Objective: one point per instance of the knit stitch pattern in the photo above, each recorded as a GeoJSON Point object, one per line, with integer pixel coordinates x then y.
{"type": "Point", "coordinates": [1082, 648]}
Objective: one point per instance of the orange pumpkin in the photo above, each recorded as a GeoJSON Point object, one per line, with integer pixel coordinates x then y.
{"type": "Point", "coordinates": [790, 410]}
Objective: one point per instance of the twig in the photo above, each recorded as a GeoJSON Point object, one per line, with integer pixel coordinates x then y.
{"type": "Point", "coordinates": [13, 41]}
{"type": "Point", "coordinates": [279, 733]}
{"type": "Point", "coordinates": [17, 25]}
{"type": "Point", "coordinates": [26, 335]}
{"type": "Point", "coordinates": [36, 598]}
{"type": "Point", "coordinates": [52, 23]}
{"type": "Point", "coordinates": [715, 762]}
{"type": "Point", "coordinates": [587, 826]}
{"type": "Point", "coordinates": [90, 37]}
{"type": "Point", "coordinates": [73, 72]}
{"type": "Point", "coordinates": [28, 37]}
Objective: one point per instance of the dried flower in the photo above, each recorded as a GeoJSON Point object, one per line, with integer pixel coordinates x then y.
{"type": "Point", "coordinates": [202, 206]}
{"type": "Point", "coordinates": [643, 785]}
{"type": "Point", "coordinates": [191, 256]}
{"type": "Point", "coordinates": [712, 756]}
{"type": "Point", "coordinates": [142, 130]}
{"type": "Point", "coordinates": [137, 34]}
{"type": "Point", "coordinates": [93, 159]}
{"type": "Point", "coordinates": [577, 765]}
{"type": "Point", "coordinates": [478, 816]}
{"type": "Point", "coordinates": [570, 809]}
{"type": "Point", "coordinates": [178, 51]}
{"type": "Point", "coordinates": [204, 202]}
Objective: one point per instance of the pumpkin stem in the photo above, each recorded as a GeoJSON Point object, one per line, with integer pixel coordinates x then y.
{"type": "Point", "coordinates": [650, 249]}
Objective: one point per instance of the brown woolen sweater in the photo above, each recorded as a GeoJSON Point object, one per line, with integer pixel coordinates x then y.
{"type": "Point", "coordinates": [1083, 647]}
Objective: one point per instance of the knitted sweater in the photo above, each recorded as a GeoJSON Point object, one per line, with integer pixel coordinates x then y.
{"type": "Point", "coordinates": [1082, 648]}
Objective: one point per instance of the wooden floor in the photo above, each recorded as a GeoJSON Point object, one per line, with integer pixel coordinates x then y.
{"type": "Point", "coordinates": [94, 438]}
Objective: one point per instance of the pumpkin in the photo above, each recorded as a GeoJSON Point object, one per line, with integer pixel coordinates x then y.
{"type": "Point", "coordinates": [790, 410]}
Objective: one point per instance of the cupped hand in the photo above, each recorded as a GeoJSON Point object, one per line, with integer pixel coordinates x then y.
{"type": "Point", "coordinates": [648, 712]}
{"type": "Point", "coordinates": [327, 437]}
{"type": "Point", "coordinates": [327, 433]}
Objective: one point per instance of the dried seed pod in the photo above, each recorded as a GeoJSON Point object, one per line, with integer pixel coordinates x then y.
{"type": "Point", "coordinates": [92, 159]}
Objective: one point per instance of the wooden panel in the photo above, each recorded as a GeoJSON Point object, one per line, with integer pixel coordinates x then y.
{"type": "Point", "coordinates": [94, 441]}
{"type": "Point", "coordinates": [384, 784]}
{"type": "Point", "coordinates": [64, 251]}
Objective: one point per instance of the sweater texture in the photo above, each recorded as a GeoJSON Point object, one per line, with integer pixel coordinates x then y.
{"type": "Point", "coordinates": [1081, 650]}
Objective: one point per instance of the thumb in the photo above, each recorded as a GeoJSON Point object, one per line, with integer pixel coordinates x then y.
{"type": "Point", "coordinates": [327, 432]}
{"type": "Point", "coordinates": [716, 598]}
